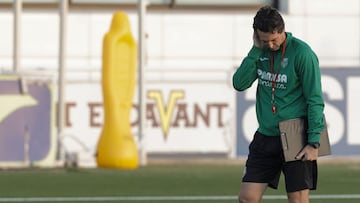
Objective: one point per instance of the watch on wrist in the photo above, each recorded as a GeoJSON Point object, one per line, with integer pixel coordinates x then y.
{"type": "Point", "coordinates": [315, 145]}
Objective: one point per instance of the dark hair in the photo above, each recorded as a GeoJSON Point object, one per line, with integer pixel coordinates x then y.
{"type": "Point", "coordinates": [268, 19]}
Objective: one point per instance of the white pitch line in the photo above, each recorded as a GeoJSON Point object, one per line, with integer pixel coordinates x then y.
{"type": "Point", "coordinates": [162, 198]}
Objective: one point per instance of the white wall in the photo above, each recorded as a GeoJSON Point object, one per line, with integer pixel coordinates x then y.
{"type": "Point", "coordinates": [331, 27]}
{"type": "Point", "coordinates": [207, 39]}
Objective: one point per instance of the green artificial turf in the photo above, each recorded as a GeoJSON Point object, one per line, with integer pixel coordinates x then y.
{"type": "Point", "coordinates": [177, 180]}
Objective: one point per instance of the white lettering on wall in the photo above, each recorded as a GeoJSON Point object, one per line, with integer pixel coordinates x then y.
{"type": "Point", "coordinates": [250, 124]}
{"type": "Point", "coordinates": [353, 106]}
{"type": "Point", "coordinates": [332, 88]}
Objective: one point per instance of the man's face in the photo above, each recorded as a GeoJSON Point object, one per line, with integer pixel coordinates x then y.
{"type": "Point", "coordinates": [271, 40]}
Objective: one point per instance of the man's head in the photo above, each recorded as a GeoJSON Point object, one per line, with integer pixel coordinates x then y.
{"type": "Point", "coordinates": [269, 27]}
{"type": "Point", "coordinates": [268, 19]}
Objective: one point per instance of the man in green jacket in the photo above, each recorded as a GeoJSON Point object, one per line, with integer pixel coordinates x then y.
{"type": "Point", "coordinates": [288, 86]}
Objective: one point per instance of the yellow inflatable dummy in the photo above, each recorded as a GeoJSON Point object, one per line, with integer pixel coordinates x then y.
{"type": "Point", "coordinates": [116, 147]}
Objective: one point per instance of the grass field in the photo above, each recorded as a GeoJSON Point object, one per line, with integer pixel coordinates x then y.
{"type": "Point", "coordinates": [165, 183]}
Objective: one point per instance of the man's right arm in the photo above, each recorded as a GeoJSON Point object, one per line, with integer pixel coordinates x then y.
{"type": "Point", "coordinates": [246, 74]}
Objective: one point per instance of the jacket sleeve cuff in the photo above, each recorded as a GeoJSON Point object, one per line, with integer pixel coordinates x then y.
{"type": "Point", "coordinates": [314, 137]}
{"type": "Point", "coordinates": [255, 52]}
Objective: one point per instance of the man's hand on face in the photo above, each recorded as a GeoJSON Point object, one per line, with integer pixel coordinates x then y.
{"type": "Point", "coordinates": [257, 41]}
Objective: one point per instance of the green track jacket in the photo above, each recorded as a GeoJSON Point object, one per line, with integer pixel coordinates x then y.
{"type": "Point", "coordinates": [298, 86]}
